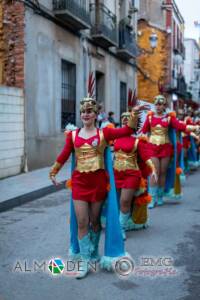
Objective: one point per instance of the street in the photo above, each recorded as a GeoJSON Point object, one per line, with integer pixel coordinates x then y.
{"type": "Point", "coordinates": [38, 231]}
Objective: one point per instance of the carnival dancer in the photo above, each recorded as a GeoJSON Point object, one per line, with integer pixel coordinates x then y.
{"type": "Point", "coordinates": [180, 171]}
{"type": "Point", "coordinates": [197, 122]}
{"type": "Point", "coordinates": [189, 142]}
{"type": "Point", "coordinates": [90, 181]}
{"type": "Point", "coordinates": [127, 151]}
{"type": "Point", "coordinates": [157, 125]}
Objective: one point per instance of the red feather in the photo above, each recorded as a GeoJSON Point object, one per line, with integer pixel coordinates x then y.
{"type": "Point", "coordinates": [129, 98]}
{"type": "Point", "coordinates": [91, 83]}
{"type": "Point", "coordinates": [92, 87]}
{"type": "Point", "coordinates": [160, 88]}
{"type": "Point", "coordinates": [134, 98]}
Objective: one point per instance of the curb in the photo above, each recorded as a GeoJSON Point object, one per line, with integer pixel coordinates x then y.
{"type": "Point", "coordinates": [25, 198]}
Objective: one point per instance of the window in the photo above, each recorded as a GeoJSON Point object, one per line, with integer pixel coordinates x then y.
{"type": "Point", "coordinates": [123, 97]}
{"type": "Point", "coordinates": [68, 111]}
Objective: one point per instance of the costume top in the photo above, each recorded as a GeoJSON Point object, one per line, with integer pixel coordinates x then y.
{"type": "Point", "coordinates": [127, 152]}
{"type": "Point", "coordinates": [158, 127]}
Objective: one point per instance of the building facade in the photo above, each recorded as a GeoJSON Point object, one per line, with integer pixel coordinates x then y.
{"type": "Point", "coordinates": [175, 84]}
{"type": "Point", "coordinates": [192, 69]}
{"type": "Point", "coordinates": [12, 125]}
{"type": "Point", "coordinates": [163, 66]}
{"type": "Point", "coordinates": [62, 42]}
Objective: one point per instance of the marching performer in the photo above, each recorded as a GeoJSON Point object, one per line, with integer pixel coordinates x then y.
{"type": "Point", "coordinates": [90, 182]}
{"type": "Point", "coordinates": [189, 142]}
{"type": "Point", "coordinates": [157, 125]}
{"type": "Point", "coordinates": [127, 151]}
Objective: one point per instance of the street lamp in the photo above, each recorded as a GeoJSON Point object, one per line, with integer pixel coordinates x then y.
{"type": "Point", "coordinates": [153, 40]}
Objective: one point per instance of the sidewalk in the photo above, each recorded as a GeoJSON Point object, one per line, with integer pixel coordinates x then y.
{"type": "Point", "coordinates": [29, 186]}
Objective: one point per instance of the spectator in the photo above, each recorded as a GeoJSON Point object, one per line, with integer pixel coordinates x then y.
{"type": "Point", "coordinates": [110, 117]}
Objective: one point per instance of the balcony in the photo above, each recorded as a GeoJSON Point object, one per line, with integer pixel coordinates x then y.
{"type": "Point", "coordinates": [180, 49]}
{"type": "Point", "coordinates": [127, 43]}
{"type": "Point", "coordinates": [177, 86]}
{"type": "Point", "coordinates": [104, 26]}
{"type": "Point", "coordinates": [181, 87]}
{"type": "Point", "coordinates": [74, 13]}
{"type": "Point", "coordinates": [197, 64]}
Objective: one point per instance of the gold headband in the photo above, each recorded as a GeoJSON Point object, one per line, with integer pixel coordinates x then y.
{"type": "Point", "coordinates": [125, 115]}
{"type": "Point", "coordinates": [88, 103]}
{"type": "Point", "coordinates": [160, 100]}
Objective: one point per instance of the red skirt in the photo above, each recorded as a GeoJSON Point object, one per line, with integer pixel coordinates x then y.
{"type": "Point", "coordinates": [161, 151]}
{"type": "Point", "coordinates": [129, 179]}
{"type": "Point", "coordinates": [179, 147]}
{"type": "Point", "coordinates": [186, 142]}
{"type": "Point", "coordinates": [91, 186]}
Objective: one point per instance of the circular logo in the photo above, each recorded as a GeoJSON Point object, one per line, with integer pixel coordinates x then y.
{"type": "Point", "coordinates": [56, 266]}
{"type": "Point", "coordinates": [124, 266]}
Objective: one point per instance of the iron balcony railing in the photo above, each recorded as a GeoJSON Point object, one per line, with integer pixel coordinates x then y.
{"type": "Point", "coordinates": [181, 86]}
{"type": "Point", "coordinates": [197, 64]}
{"type": "Point", "coordinates": [127, 40]}
{"type": "Point", "coordinates": [104, 22]}
{"type": "Point", "coordinates": [180, 49]}
{"type": "Point", "coordinates": [78, 8]}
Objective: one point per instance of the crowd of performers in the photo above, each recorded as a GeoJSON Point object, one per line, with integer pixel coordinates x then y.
{"type": "Point", "coordinates": [148, 163]}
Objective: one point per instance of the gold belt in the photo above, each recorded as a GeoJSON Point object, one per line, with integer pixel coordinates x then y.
{"type": "Point", "coordinates": [159, 140]}
{"type": "Point", "coordinates": [124, 161]}
{"type": "Point", "coordinates": [159, 135]}
{"type": "Point", "coordinates": [90, 164]}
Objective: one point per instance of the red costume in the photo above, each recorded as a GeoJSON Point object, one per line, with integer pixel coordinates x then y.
{"type": "Point", "coordinates": [158, 127]}
{"type": "Point", "coordinates": [128, 150]}
{"type": "Point", "coordinates": [186, 136]}
{"type": "Point", "coordinates": [89, 179]}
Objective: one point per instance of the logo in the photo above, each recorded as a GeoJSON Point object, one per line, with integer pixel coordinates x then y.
{"type": "Point", "coordinates": [124, 266]}
{"type": "Point", "coordinates": [95, 142]}
{"type": "Point", "coordinates": [56, 266]}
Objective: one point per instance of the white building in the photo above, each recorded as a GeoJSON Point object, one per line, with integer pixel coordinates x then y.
{"type": "Point", "coordinates": [192, 68]}
{"type": "Point", "coordinates": [11, 131]}
{"type": "Point", "coordinates": [65, 40]}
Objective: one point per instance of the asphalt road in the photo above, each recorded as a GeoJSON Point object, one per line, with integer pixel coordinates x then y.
{"type": "Point", "coordinates": [38, 231]}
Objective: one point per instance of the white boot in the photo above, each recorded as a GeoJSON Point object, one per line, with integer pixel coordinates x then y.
{"type": "Point", "coordinates": [153, 191]}
{"type": "Point", "coordinates": [86, 248]}
{"type": "Point", "coordinates": [123, 219]}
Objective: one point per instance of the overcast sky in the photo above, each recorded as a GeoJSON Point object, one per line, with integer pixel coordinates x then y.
{"type": "Point", "coordinates": [190, 10]}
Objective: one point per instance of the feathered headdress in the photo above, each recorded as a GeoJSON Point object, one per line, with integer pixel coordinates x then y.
{"type": "Point", "coordinates": [132, 102]}
{"type": "Point", "coordinates": [161, 88]}
{"type": "Point", "coordinates": [160, 99]}
{"type": "Point", "coordinates": [132, 99]}
{"type": "Point", "coordinates": [89, 102]}
{"type": "Point", "coordinates": [91, 85]}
